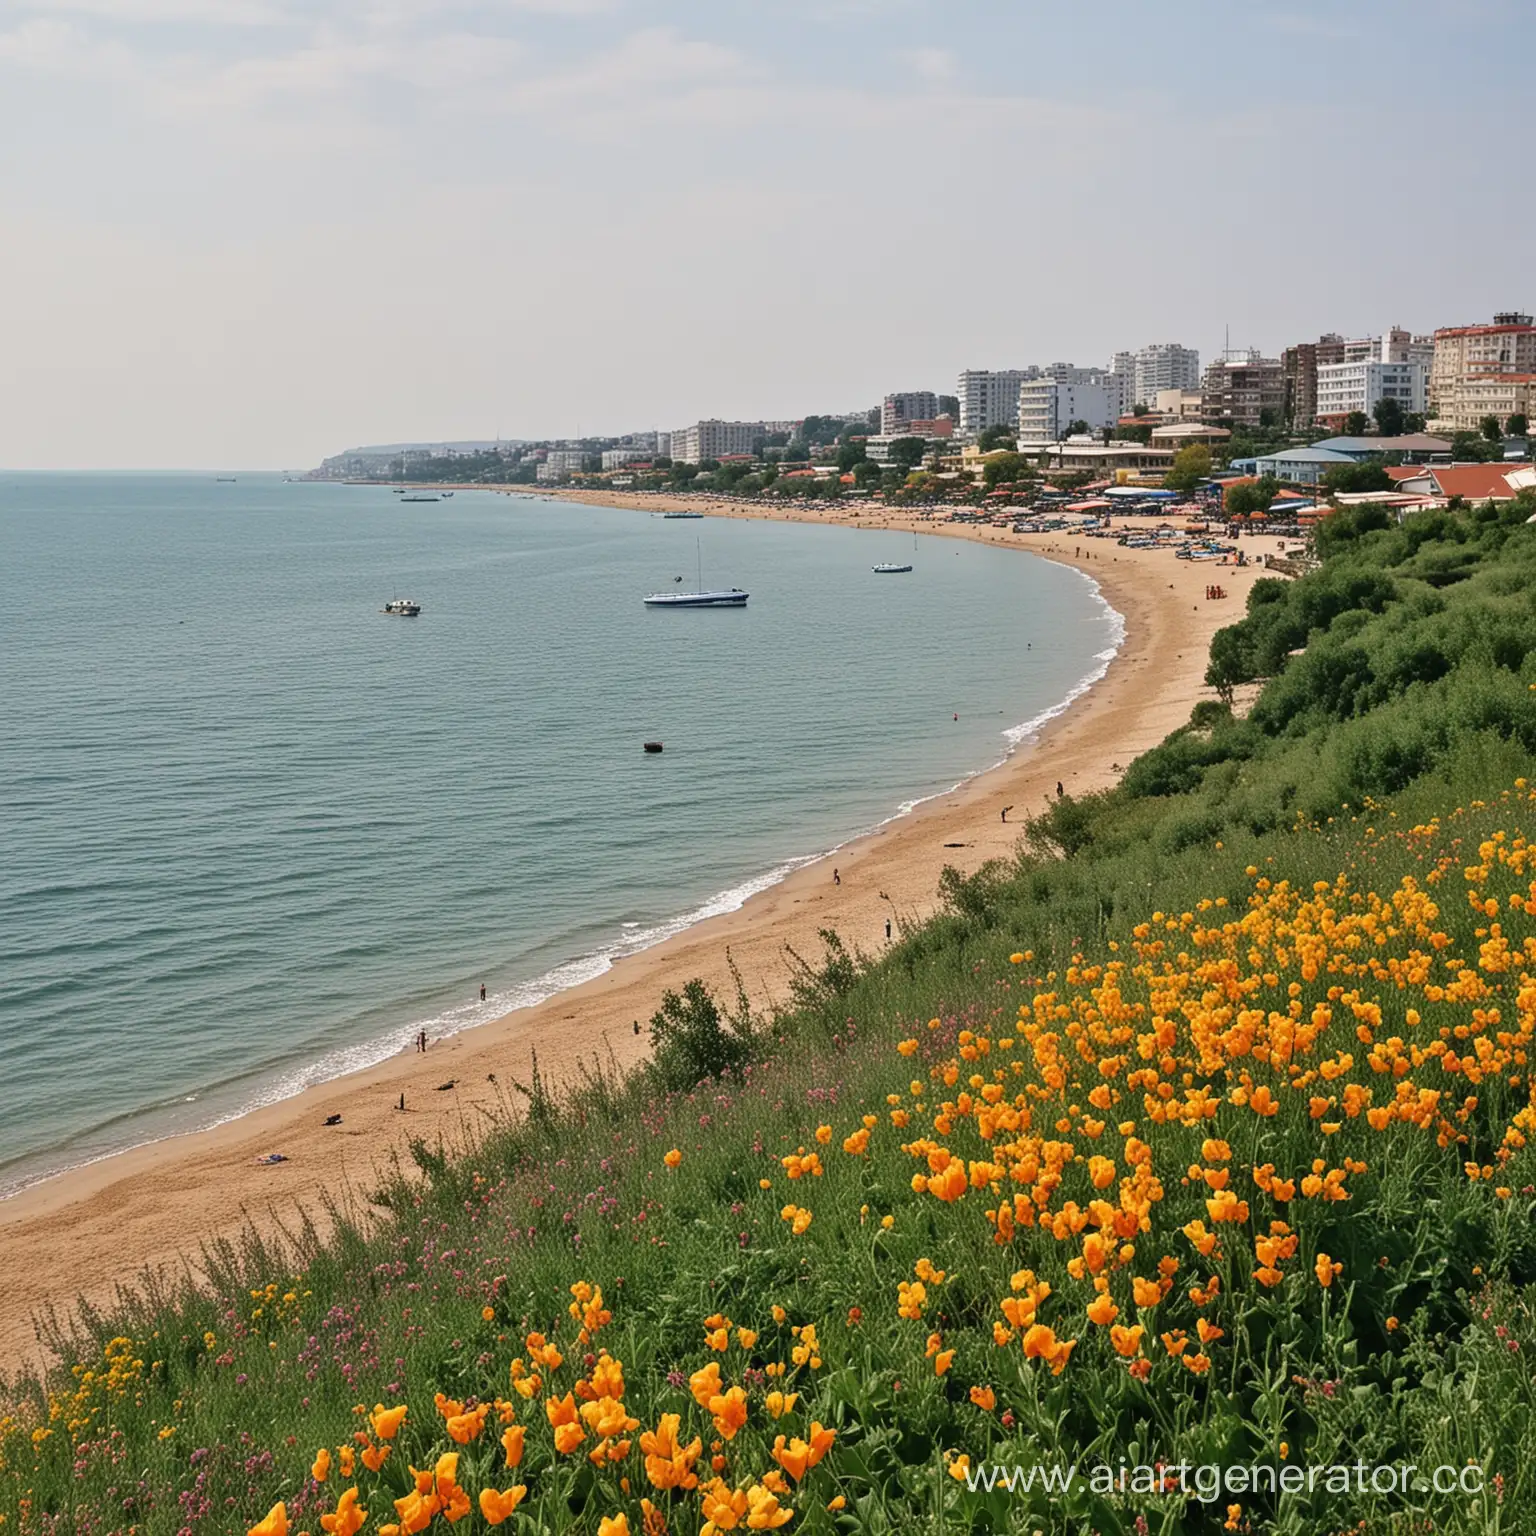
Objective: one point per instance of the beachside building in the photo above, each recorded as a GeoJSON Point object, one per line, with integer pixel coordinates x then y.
{"type": "Point", "coordinates": [1244, 388]}
{"type": "Point", "coordinates": [1471, 354]}
{"type": "Point", "coordinates": [1110, 459]}
{"type": "Point", "coordinates": [1180, 434]}
{"type": "Point", "coordinates": [1500, 395]}
{"type": "Point", "coordinates": [617, 458]}
{"type": "Point", "coordinates": [1047, 407]}
{"type": "Point", "coordinates": [898, 412]}
{"type": "Point", "coordinates": [1176, 404]}
{"type": "Point", "coordinates": [1300, 466]}
{"type": "Point", "coordinates": [710, 439]}
{"type": "Point", "coordinates": [1345, 387]}
{"type": "Point", "coordinates": [990, 397]}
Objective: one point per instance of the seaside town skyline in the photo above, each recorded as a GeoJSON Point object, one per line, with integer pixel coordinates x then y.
{"type": "Point", "coordinates": [1458, 392]}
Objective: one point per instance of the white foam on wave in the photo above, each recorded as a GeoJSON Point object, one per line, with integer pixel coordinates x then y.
{"type": "Point", "coordinates": [573, 973]}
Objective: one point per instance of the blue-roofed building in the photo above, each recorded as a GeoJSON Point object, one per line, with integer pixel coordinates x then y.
{"type": "Point", "coordinates": [1301, 466]}
{"type": "Point", "coordinates": [1415, 447]}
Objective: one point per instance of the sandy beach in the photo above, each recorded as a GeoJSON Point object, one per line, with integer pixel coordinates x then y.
{"type": "Point", "coordinates": [92, 1229]}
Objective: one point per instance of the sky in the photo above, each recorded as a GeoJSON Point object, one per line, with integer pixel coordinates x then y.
{"type": "Point", "coordinates": [251, 233]}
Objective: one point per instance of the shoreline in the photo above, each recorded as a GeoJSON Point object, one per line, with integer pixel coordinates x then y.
{"type": "Point", "coordinates": [87, 1229]}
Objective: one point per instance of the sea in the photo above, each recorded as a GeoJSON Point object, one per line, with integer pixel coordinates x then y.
{"type": "Point", "coordinates": [254, 833]}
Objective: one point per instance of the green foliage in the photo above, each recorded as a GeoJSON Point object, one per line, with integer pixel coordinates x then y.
{"type": "Point", "coordinates": [1490, 428]}
{"type": "Point", "coordinates": [1191, 465]}
{"type": "Point", "coordinates": [907, 452]}
{"type": "Point", "coordinates": [1356, 424]}
{"type": "Point", "coordinates": [692, 1041]}
{"type": "Point", "coordinates": [1352, 478]}
{"type": "Point", "coordinates": [996, 437]}
{"type": "Point", "coordinates": [1389, 416]}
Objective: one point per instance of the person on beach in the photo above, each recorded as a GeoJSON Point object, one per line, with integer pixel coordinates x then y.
{"type": "Point", "coordinates": [887, 930]}
{"type": "Point", "coordinates": [482, 991]}
{"type": "Point", "coordinates": [837, 879]}
{"type": "Point", "coordinates": [1006, 809]}
{"type": "Point", "coordinates": [1060, 792]}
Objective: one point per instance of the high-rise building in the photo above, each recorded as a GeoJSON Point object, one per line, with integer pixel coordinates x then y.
{"type": "Point", "coordinates": [713, 439]}
{"type": "Point", "coordinates": [1165, 365]}
{"type": "Point", "coordinates": [1048, 406]}
{"type": "Point", "coordinates": [1470, 361]}
{"type": "Point", "coordinates": [1343, 388]}
{"type": "Point", "coordinates": [896, 411]}
{"type": "Point", "coordinates": [1244, 388]}
{"type": "Point", "coordinates": [990, 397]}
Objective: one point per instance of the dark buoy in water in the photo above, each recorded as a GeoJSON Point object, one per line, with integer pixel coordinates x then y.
{"type": "Point", "coordinates": [653, 746]}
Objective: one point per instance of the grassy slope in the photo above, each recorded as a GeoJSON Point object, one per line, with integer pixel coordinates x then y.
{"type": "Point", "coordinates": [1168, 942]}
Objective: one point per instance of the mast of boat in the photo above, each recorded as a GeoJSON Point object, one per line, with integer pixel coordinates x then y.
{"type": "Point", "coordinates": [698, 546]}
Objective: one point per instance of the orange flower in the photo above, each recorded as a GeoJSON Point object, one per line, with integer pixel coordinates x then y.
{"type": "Point", "coordinates": [387, 1421]}
{"type": "Point", "coordinates": [465, 1427]}
{"type": "Point", "coordinates": [512, 1443]}
{"type": "Point", "coordinates": [1127, 1341]}
{"type": "Point", "coordinates": [613, 1525]}
{"type": "Point", "coordinates": [724, 1507]}
{"type": "Point", "coordinates": [984, 1398]}
{"type": "Point", "coordinates": [321, 1469]}
{"type": "Point", "coordinates": [1147, 1293]}
{"type": "Point", "coordinates": [274, 1523]}
{"type": "Point", "coordinates": [497, 1506]}
{"type": "Point", "coordinates": [729, 1411]}
{"type": "Point", "coordinates": [1328, 1270]}
{"type": "Point", "coordinates": [669, 1464]}
{"type": "Point", "coordinates": [673, 1158]}
{"type": "Point", "coordinates": [942, 1361]}
{"type": "Point", "coordinates": [348, 1519]}
{"type": "Point", "coordinates": [1102, 1310]}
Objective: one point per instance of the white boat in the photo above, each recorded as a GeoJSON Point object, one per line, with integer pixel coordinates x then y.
{"type": "Point", "coordinates": [674, 516]}
{"type": "Point", "coordinates": [886, 568]}
{"type": "Point", "coordinates": [402, 608]}
{"type": "Point", "coordinates": [734, 597]}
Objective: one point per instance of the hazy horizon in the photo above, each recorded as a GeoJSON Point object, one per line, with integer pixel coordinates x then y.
{"type": "Point", "coordinates": [241, 234]}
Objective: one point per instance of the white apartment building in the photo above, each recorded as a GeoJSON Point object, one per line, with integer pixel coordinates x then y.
{"type": "Point", "coordinates": [663, 445]}
{"type": "Point", "coordinates": [617, 458]}
{"type": "Point", "coordinates": [1165, 365]}
{"type": "Point", "coordinates": [713, 439]}
{"type": "Point", "coordinates": [910, 405]}
{"type": "Point", "coordinates": [1357, 386]}
{"type": "Point", "coordinates": [1048, 406]}
{"type": "Point", "coordinates": [990, 397]}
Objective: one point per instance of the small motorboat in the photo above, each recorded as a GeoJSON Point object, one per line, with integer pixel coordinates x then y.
{"type": "Point", "coordinates": [653, 746]}
{"type": "Point", "coordinates": [419, 498]}
{"type": "Point", "coordinates": [887, 568]}
{"type": "Point", "coordinates": [733, 598]}
{"type": "Point", "coordinates": [402, 608]}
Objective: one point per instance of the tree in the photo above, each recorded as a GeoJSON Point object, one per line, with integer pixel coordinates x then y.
{"type": "Point", "coordinates": [1471, 447]}
{"type": "Point", "coordinates": [1517, 425]}
{"type": "Point", "coordinates": [907, 452]}
{"type": "Point", "coordinates": [1414, 421]}
{"type": "Point", "coordinates": [849, 454]}
{"type": "Point", "coordinates": [691, 1040]}
{"type": "Point", "coordinates": [1489, 427]}
{"type": "Point", "coordinates": [1353, 478]}
{"type": "Point", "coordinates": [996, 437]}
{"type": "Point", "coordinates": [1004, 467]}
{"type": "Point", "coordinates": [1356, 424]}
{"type": "Point", "coordinates": [1252, 498]}
{"type": "Point", "coordinates": [865, 473]}
{"type": "Point", "coordinates": [1191, 465]}
{"type": "Point", "coordinates": [1078, 428]}
{"type": "Point", "coordinates": [1134, 434]}
{"type": "Point", "coordinates": [1389, 417]}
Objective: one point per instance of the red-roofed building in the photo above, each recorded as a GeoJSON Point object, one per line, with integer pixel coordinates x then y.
{"type": "Point", "coordinates": [1474, 367]}
{"type": "Point", "coordinates": [1472, 482]}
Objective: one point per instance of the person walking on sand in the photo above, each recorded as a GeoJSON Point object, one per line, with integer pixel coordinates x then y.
{"type": "Point", "coordinates": [837, 879]}
{"type": "Point", "coordinates": [887, 930]}
{"type": "Point", "coordinates": [1006, 809]}
{"type": "Point", "coordinates": [1060, 792]}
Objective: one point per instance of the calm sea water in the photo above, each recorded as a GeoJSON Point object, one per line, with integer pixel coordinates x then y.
{"type": "Point", "coordinates": [256, 834]}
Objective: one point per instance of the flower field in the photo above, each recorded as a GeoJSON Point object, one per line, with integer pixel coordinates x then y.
{"type": "Point", "coordinates": [1205, 1145]}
